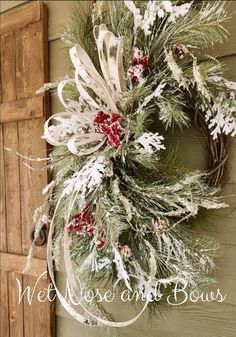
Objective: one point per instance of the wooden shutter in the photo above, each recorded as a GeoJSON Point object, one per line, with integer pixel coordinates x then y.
{"type": "Point", "coordinates": [24, 68]}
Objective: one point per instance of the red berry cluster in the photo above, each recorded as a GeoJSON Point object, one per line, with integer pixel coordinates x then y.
{"type": "Point", "coordinates": [139, 64]}
{"type": "Point", "coordinates": [82, 223]}
{"type": "Point", "coordinates": [110, 126]}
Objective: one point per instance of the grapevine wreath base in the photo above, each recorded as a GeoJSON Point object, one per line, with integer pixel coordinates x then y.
{"type": "Point", "coordinates": [122, 208]}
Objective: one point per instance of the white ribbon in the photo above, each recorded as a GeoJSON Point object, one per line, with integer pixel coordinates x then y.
{"type": "Point", "coordinates": [110, 52]}
{"type": "Point", "coordinates": [107, 89]}
{"type": "Point", "coordinates": [76, 143]}
{"type": "Point", "coordinates": [73, 284]}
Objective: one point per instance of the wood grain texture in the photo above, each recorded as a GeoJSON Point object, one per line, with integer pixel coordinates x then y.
{"type": "Point", "coordinates": [22, 109]}
{"type": "Point", "coordinates": [24, 68]}
{"type": "Point", "coordinates": [40, 321]}
{"type": "Point", "coordinates": [12, 186]}
{"type": "Point", "coordinates": [8, 65]}
{"type": "Point", "coordinates": [4, 307]}
{"type": "Point", "coordinates": [3, 236]}
{"type": "Point", "coordinates": [16, 315]}
{"type": "Point", "coordinates": [31, 182]}
{"type": "Point", "coordinates": [16, 20]}
{"type": "Point", "coordinates": [16, 263]}
{"type": "Point", "coordinates": [29, 60]}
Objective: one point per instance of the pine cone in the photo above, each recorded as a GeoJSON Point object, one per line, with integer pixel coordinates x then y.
{"type": "Point", "coordinates": [160, 226]}
{"type": "Point", "coordinates": [125, 252]}
{"type": "Point", "coordinates": [179, 50]}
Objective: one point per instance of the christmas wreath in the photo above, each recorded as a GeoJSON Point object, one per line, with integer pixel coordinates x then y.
{"type": "Point", "coordinates": [122, 208]}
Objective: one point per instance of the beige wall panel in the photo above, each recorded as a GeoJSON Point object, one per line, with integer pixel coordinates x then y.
{"type": "Point", "coordinates": [60, 65]}
{"type": "Point", "coordinates": [59, 14]}
{"type": "Point", "coordinates": [7, 5]}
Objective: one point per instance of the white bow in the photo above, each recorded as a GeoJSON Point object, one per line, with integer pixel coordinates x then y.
{"type": "Point", "coordinates": [97, 92]}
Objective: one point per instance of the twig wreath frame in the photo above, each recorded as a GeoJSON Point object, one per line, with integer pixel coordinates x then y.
{"type": "Point", "coordinates": [217, 153]}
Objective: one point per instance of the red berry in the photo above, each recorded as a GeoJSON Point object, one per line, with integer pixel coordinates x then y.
{"type": "Point", "coordinates": [100, 243]}
{"type": "Point", "coordinates": [145, 61]}
{"type": "Point", "coordinates": [110, 126]}
{"type": "Point", "coordinates": [101, 117]}
{"type": "Point", "coordinates": [81, 218]}
{"type": "Point", "coordinates": [70, 227]}
{"type": "Point", "coordinates": [79, 229]}
{"type": "Point", "coordinates": [77, 217]}
{"type": "Point", "coordinates": [89, 230]}
{"type": "Point", "coordinates": [115, 117]}
{"type": "Point", "coordinates": [105, 129]}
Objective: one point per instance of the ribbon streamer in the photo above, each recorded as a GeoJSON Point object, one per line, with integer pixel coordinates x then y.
{"type": "Point", "coordinates": [73, 283]}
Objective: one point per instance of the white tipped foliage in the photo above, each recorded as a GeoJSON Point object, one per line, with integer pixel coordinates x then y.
{"type": "Point", "coordinates": [150, 142]}
{"type": "Point", "coordinates": [155, 9]}
{"type": "Point", "coordinates": [88, 178]}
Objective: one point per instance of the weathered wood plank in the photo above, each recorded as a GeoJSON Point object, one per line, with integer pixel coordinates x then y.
{"type": "Point", "coordinates": [29, 60]}
{"type": "Point", "coordinates": [40, 317]}
{"type": "Point", "coordinates": [10, 139]}
{"type": "Point", "coordinates": [4, 309]}
{"type": "Point", "coordinates": [22, 109]}
{"type": "Point", "coordinates": [3, 236]}
{"type": "Point", "coordinates": [16, 20]}
{"type": "Point", "coordinates": [8, 76]}
{"type": "Point", "coordinates": [16, 263]}
{"type": "Point", "coordinates": [0, 71]}
{"type": "Point", "coordinates": [25, 63]}
{"type": "Point", "coordinates": [32, 182]}
{"type": "Point", "coordinates": [12, 183]}
{"type": "Point", "coordinates": [15, 308]}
